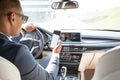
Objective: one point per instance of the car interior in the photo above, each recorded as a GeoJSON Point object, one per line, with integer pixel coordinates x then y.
{"type": "Point", "coordinates": [9, 68]}
{"type": "Point", "coordinates": [90, 53]}
{"type": "Point", "coordinates": [108, 66]}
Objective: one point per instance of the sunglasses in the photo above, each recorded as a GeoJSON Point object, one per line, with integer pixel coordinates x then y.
{"type": "Point", "coordinates": [24, 18]}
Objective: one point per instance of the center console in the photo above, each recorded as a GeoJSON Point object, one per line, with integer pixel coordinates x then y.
{"type": "Point", "coordinates": [71, 54]}
{"type": "Point", "coordinates": [71, 58]}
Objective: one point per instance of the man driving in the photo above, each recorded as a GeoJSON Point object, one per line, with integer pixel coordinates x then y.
{"type": "Point", "coordinates": [11, 20]}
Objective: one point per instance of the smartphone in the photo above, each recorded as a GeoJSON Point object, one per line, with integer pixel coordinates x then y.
{"type": "Point", "coordinates": [55, 38]}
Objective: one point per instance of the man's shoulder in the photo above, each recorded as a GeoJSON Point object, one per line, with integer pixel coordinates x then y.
{"type": "Point", "coordinates": [17, 45]}
{"type": "Point", "coordinates": [6, 44]}
{"type": "Point", "coordinates": [14, 43]}
{"type": "Point", "coordinates": [10, 50]}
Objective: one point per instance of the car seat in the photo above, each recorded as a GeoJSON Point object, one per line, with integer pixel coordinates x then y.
{"type": "Point", "coordinates": [108, 66]}
{"type": "Point", "coordinates": [8, 71]}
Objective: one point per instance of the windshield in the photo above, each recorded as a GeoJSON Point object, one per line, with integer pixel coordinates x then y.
{"type": "Point", "coordinates": [91, 14]}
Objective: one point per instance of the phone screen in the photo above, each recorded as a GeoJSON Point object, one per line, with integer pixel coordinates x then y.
{"type": "Point", "coordinates": [55, 38]}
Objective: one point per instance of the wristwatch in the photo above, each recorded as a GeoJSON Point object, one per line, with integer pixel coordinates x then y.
{"type": "Point", "coordinates": [24, 31]}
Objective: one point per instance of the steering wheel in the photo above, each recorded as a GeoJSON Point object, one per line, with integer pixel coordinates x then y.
{"type": "Point", "coordinates": [35, 42]}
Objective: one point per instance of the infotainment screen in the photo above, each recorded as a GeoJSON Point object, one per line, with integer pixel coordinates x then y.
{"type": "Point", "coordinates": [71, 37]}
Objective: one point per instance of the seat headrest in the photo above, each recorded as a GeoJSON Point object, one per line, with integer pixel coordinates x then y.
{"type": "Point", "coordinates": [108, 64]}
{"type": "Point", "coordinates": [8, 71]}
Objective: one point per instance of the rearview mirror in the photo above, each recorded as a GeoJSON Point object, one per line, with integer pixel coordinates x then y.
{"type": "Point", "coordinates": [65, 5]}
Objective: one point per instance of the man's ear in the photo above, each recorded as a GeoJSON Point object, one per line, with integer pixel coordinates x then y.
{"type": "Point", "coordinates": [12, 17]}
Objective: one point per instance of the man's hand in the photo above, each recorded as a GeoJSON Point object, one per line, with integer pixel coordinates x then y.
{"type": "Point", "coordinates": [30, 28]}
{"type": "Point", "coordinates": [58, 48]}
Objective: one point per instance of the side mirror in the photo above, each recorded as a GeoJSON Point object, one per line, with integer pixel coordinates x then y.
{"type": "Point", "coordinates": [65, 5]}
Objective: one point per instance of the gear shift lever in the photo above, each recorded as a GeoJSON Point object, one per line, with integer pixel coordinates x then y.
{"type": "Point", "coordinates": [63, 72]}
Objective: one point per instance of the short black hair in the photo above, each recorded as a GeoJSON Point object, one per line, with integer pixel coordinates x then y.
{"type": "Point", "coordinates": [6, 5]}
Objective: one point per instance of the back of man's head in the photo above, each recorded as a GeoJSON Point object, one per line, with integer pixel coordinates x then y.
{"type": "Point", "coordinates": [9, 5]}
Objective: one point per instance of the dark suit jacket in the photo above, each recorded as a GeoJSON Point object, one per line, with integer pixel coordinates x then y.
{"type": "Point", "coordinates": [29, 68]}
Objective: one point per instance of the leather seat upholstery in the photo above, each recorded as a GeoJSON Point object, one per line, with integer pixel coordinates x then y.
{"type": "Point", "coordinates": [8, 71]}
{"type": "Point", "coordinates": [108, 67]}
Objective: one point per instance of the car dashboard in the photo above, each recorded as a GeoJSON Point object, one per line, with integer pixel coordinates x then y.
{"type": "Point", "coordinates": [81, 49]}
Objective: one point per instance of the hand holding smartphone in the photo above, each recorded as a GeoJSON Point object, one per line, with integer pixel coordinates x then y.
{"type": "Point", "coordinates": [55, 38]}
